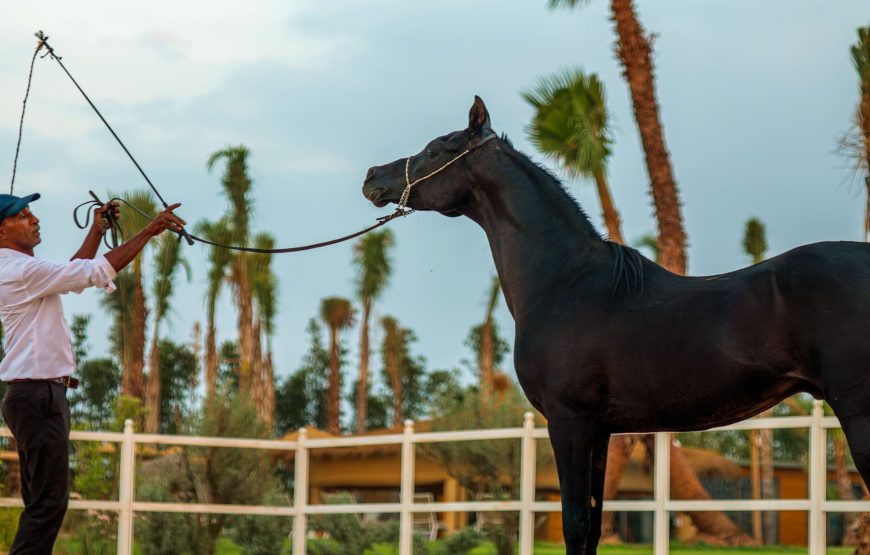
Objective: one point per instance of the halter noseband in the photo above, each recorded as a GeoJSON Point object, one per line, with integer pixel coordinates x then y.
{"type": "Point", "coordinates": [403, 202]}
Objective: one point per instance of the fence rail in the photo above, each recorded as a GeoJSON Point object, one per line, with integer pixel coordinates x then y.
{"type": "Point", "coordinates": [661, 505]}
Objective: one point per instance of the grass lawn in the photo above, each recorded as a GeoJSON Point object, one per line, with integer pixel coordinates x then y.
{"type": "Point", "coordinates": [227, 547]}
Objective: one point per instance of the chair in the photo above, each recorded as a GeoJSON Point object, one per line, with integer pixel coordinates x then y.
{"type": "Point", "coordinates": [487, 518]}
{"type": "Point", "coordinates": [426, 523]}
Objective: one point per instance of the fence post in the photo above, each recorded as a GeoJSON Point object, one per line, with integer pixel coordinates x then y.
{"type": "Point", "coordinates": [527, 484]}
{"type": "Point", "coordinates": [818, 481]}
{"type": "Point", "coordinates": [125, 494]}
{"type": "Point", "coordinates": [406, 531]}
{"type": "Point", "coordinates": [662, 492]}
{"type": "Point", "coordinates": [300, 487]}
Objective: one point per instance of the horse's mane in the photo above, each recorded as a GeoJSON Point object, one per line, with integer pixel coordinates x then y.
{"type": "Point", "coordinates": [627, 262]}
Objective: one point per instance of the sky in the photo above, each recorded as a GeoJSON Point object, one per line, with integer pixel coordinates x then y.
{"type": "Point", "coordinates": [753, 97]}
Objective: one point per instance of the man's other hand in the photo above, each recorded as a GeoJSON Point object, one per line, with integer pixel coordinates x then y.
{"type": "Point", "coordinates": [100, 224]}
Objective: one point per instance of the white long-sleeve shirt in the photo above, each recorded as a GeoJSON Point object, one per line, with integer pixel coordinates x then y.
{"type": "Point", "coordinates": [38, 343]}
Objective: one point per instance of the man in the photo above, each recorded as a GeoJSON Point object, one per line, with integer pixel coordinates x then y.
{"type": "Point", "coordinates": [39, 363]}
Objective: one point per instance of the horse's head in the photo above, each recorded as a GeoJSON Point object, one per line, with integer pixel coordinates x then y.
{"type": "Point", "coordinates": [439, 176]}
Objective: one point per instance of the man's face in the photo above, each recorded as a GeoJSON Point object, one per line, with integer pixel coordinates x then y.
{"type": "Point", "coordinates": [21, 231]}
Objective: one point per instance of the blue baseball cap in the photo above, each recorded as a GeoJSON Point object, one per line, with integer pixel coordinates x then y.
{"type": "Point", "coordinates": [11, 205]}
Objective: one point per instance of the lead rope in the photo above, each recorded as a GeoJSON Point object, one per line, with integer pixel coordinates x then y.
{"type": "Point", "coordinates": [43, 42]}
{"type": "Point", "coordinates": [23, 109]}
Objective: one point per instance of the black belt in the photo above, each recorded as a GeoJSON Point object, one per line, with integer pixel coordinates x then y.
{"type": "Point", "coordinates": [67, 381]}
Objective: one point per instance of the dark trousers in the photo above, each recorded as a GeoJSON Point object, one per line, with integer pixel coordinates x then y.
{"type": "Point", "coordinates": [38, 415]}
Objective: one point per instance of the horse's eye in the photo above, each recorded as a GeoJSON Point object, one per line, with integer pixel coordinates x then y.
{"type": "Point", "coordinates": [430, 153]}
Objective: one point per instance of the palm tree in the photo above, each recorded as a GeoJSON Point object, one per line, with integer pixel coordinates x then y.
{"type": "Point", "coordinates": [571, 126]}
{"type": "Point", "coordinates": [634, 51]}
{"type": "Point", "coordinates": [761, 441]}
{"type": "Point", "coordinates": [861, 60]}
{"type": "Point", "coordinates": [265, 286]}
{"type": "Point", "coordinates": [128, 306]}
{"type": "Point", "coordinates": [219, 260]}
{"type": "Point", "coordinates": [237, 187]}
{"type": "Point", "coordinates": [373, 269]}
{"type": "Point", "coordinates": [487, 342]}
{"type": "Point", "coordinates": [393, 348]}
{"type": "Point", "coordinates": [337, 313]}
{"type": "Point", "coordinates": [166, 263]}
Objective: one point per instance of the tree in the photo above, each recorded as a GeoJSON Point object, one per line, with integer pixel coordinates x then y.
{"type": "Point", "coordinates": [373, 268]}
{"type": "Point", "coordinates": [337, 313]}
{"type": "Point", "coordinates": [403, 373]}
{"type": "Point", "coordinates": [487, 469]}
{"type": "Point", "coordinates": [92, 403]}
{"type": "Point", "coordinates": [571, 126]}
{"type": "Point", "coordinates": [237, 186]}
{"type": "Point", "coordinates": [219, 260]}
{"type": "Point", "coordinates": [634, 52]}
{"type": "Point", "coordinates": [861, 60]}
{"type": "Point", "coordinates": [487, 341]}
{"type": "Point", "coordinates": [265, 287]}
{"type": "Point", "coordinates": [178, 369]}
{"type": "Point", "coordinates": [761, 441]}
{"type": "Point", "coordinates": [128, 305]}
{"type": "Point", "coordinates": [300, 400]}
{"type": "Point", "coordinates": [166, 262]}
{"type": "Point", "coordinates": [213, 475]}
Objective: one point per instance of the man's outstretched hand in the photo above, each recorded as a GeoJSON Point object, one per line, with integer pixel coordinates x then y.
{"type": "Point", "coordinates": [166, 220]}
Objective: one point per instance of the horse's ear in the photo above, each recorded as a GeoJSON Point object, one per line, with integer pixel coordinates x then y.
{"type": "Point", "coordinates": [478, 117]}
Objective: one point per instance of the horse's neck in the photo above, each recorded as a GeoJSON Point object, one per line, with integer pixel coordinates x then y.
{"type": "Point", "coordinates": [539, 239]}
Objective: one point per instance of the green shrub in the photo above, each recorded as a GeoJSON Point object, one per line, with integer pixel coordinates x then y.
{"type": "Point", "coordinates": [463, 541]}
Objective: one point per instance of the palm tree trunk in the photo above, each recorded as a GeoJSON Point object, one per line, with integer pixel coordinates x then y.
{"type": "Point", "coordinates": [333, 399]}
{"type": "Point", "coordinates": [268, 389]}
{"type": "Point", "coordinates": [246, 325]}
{"type": "Point", "coordinates": [611, 216]}
{"type": "Point", "coordinates": [864, 121]}
{"type": "Point", "coordinates": [257, 371]}
{"type": "Point", "coordinates": [135, 378]}
{"type": "Point", "coordinates": [634, 51]}
{"type": "Point", "coordinates": [618, 453]}
{"type": "Point", "coordinates": [152, 390]}
{"type": "Point", "coordinates": [755, 478]}
{"type": "Point", "coordinates": [713, 526]}
{"type": "Point", "coordinates": [392, 363]}
{"type": "Point", "coordinates": [486, 361]}
{"type": "Point", "coordinates": [844, 486]}
{"type": "Point", "coordinates": [362, 385]}
{"type": "Point", "coordinates": [768, 489]}
{"type": "Point", "coordinates": [211, 361]}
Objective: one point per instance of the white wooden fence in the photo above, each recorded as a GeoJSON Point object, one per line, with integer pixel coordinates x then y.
{"type": "Point", "coordinates": [126, 505]}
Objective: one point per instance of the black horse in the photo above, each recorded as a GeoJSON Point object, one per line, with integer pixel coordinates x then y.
{"type": "Point", "coordinates": [608, 341]}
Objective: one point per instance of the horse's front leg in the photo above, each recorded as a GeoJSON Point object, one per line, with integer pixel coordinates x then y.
{"type": "Point", "coordinates": [573, 441]}
{"type": "Point", "coordinates": [599, 468]}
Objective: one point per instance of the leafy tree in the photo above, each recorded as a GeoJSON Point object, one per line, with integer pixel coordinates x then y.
{"type": "Point", "coordinates": [487, 469]}
{"type": "Point", "coordinates": [91, 403]}
{"type": "Point", "coordinates": [373, 268]}
{"type": "Point", "coordinates": [337, 313]}
{"type": "Point", "coordinates": [265, 287]}
{"type": "Point", "coordinates": [178, 369]}
{"type": "Point", "coordinates": [571, 126]}
{"type": "Point", "coordinates": [300, 400]}
{"type": "Point", "coordinates": [128, 305]}
{"type": "Point", "coordinates": [237, 185]}
{"type": "Point", "coordinates": [219, 259]}
{"type": "Point", "coordinates": [403, 373]}
{"type": "Point", "coordinates": [214, 475]}
{"type": "Point", "coordinates": [634, 52]}
{"type": "Point", "coordinates": [166, 263]}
